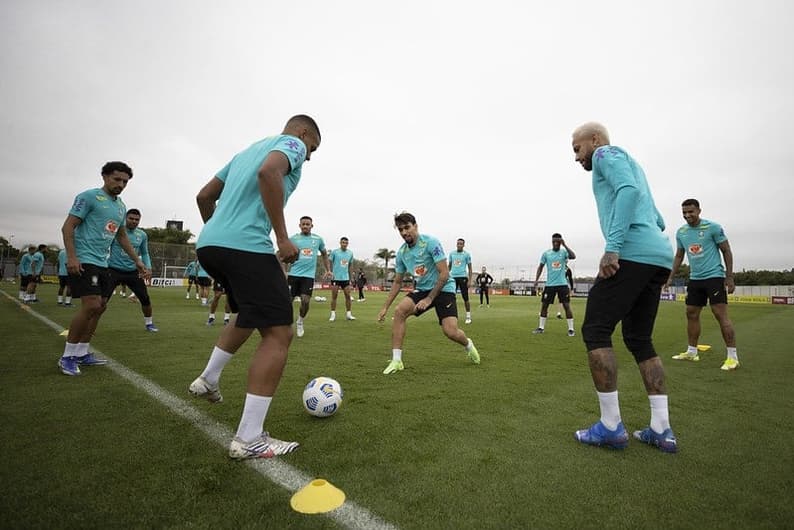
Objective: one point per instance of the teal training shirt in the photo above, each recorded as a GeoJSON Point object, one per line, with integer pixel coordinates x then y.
{"type": "Point", "coordinates": [630, 222]}
{"type": "Point", "coordinates": [62, 263]}
{"type": "Point", "coordinates": [308, 247]}
{"type": "Point", "coordinates": [102, 215]}
{"type": "Point", "coordinates": [190, 270]}
{"type": "Point", "coordinates": [121, 261]}
{"type": "Point", "coordinates": [38, 263]}
{"type": "Point", "coordinates": [555, 263]}
{"type": "Point", "coordinates": [459, 264]}
{"type": "Point", "coordinates": [340, 263]}
{"type": "Point", "coordinates": [26, 265]}
{"type": "Point", "coordinates": [240, 220]}
{"type": "Point", "coordinates": [420, 261]}
{"type": "Point", "coordinates": [702, 246]}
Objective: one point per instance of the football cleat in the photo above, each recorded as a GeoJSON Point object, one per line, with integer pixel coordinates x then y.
{"type": "Point", "coordinates": [201, 388]}
{"type": "Point", "coordinates": [537, 331]}
{"type": "Point", "coordinates": [600, 436]}
{"type": "Point", "coordinates": [685, 356]}
{"type": "Point", "coordinates": [299, 329]}
{"type": "Point", "coordinates": [394, 366]}
{"type": "Point", "coordinates": [68, 366]}
{"type": "Point", "coordinates": [467, 321]}
{"type": "Point", "coordinates": [263, 446]}
{"type": "Point", "coordinates": [729, 364]}
{"type": "Point", "coordinates": [473, 354]}
{"type": "Point", "coordinates": [350, 317]}
{"type": "Point", "coordinates": [151, 328]}
{"type": "Point", "coordinates": [210, 321]}
{"type": "Point", "coordinates": [665, 441]}
{"type": "Point", "coordinates": [571, 333]}
{"type": "Point", "coordinates": [91, 360]}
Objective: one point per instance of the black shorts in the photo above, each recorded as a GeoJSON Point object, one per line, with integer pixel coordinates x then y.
{"type": "Point", "coordinates": [562, 292]}
{"type": "Point", "coordinates": [462, 283]}
{"type": "Point", "coordinates": [203, 281]}
{"type": "Point", "coordinates": [191, 279]}
{"type": "Point", "coordinates": [711, 289]}
{"type": "Point", "coordinates": [254, 285]}
{"type": "Point", "coordinates": [93, 281]}
{"type": "Point", "coordinates": [300, 286]}
{"type": "Point", "coordinates": [131, 279]}
{"type": "Point", "coordinates": [25, 280]}
{"type": "Point", "coordinates": [217, 287]}
{"type": "Point", "coordinates": [444, 303]}
{"type": "Point", "coordinates": [63, 281]}
{"type": "Point", "coordinates": [631, 296]}
{"type": "Point", "coordinates": [344, 284]}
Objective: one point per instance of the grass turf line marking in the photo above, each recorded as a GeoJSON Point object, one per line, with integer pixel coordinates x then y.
{"type": "Point", "coordinates": [349, 515]}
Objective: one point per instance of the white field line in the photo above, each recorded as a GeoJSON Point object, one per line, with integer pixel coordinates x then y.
{"type": "Point", "coordinates": [349, 515]}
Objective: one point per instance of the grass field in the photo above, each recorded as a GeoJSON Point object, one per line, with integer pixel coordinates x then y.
{"type": "Point", "coordinates": [443, 444]}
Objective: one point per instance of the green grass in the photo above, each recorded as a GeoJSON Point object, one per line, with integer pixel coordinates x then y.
{"type": "Point", "coordinates": [443, 444]}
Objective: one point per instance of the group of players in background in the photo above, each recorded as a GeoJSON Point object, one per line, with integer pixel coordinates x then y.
{"type": "Point", "coordinates": [244, 202]}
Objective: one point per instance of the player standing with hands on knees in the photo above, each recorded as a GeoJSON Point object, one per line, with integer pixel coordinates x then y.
{"type": "Point", "coordinates": [240, 206]}
{"type": "Point", "coordinates": [635, 265]}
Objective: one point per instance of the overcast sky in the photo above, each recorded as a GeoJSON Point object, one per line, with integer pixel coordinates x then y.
{"type": "Point", "coordinates": [459, 112]}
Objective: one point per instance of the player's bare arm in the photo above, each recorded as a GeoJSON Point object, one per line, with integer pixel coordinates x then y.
{"type": "Point", "coordinates": [73, 265]}
{"type": "Point", "coordinates": [395, 289]}
{"type": "Point", "coordinates": [271, 188]}
{"type": "Point", "coordinates": [727, 255]}
{"type": "Point", "coordinates": [208, 196]}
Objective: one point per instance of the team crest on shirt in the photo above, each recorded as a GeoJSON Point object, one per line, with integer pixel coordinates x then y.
{"type": "Point", "coordinates": [556, 265]}
{"type": "Point", "coordinates": [343, 262]}
{"type": "Point", "coordinates": [111, 226]}
{"type": "Point", "coordinates": [701, 234]}
{"type": "Point", "coordinates": [695, 248]}
{"type": "Point", "coordinates": [101, 198]}
{"type": "Point", "coordinates": [307, 251]}
{"type": "Point", "coordinates": [420, 270]}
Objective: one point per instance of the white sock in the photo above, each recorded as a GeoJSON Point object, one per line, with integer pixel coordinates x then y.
{"type": "Point", "coordinates": [203, 301]}
{"type": "Point", "coordinates": [610, 409]}
{"type": "Point", "coordinates": [68, 300]}
{"type": "Point", "coordinates": [349, 314]}
{"type": "Point", "coordinates": [333, 314]}
{"type": "Point", "coordinates": [468, 314]}
{"type": "Point", "coordinates": [227, 316]}
{"type": "Point", "coordinates": [253, 419]}
{"type": "Point", "coordinates": [21, 295]}
{"type": "Point", "coordinates": [70, 350]}
{"type": "Point", "coordinates": [82, 349]}
{"type": "Point", "coordinates": [60, 299]}
{"type": "Point", "coordinates": [692, 350]}
{"type": "Point", "coordinates": [660, 416]}
{"type": "Point", "coordinates": [147, 320]}
{"type": "Point", "coordinates": [542, 324]}
{"type": "Point", "coordinates": [570, 324]}
{"type": "Point", "coordinates": [300, 321]}
{"type": "Point", "coordinates": [215, 365]}
{"type": "Point", "coordinates": [212, 316]}
{"type": "Point", "coordinates": [732, 354]}
{"type": "Point", "coordinates": [26, 298]}
{"type": "Point", "coordinates": [397, 354]}
{"type": "Point", "coordinates": [469, 345]}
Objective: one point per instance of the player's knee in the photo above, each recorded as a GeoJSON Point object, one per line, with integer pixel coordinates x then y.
{"type": "Point", "coordinates": [640, 347]}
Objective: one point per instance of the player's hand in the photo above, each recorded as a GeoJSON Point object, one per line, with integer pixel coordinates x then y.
{"type": "Point", "coordinates": [147, 274]}
{"type": "Point", "coordinates": [328, 274]}
{"type": "Point", "coordinates": [287, 251]}
{"type": "Point", "coordinates": [730, 286]}
{"type": "Point", "coordinates": [141, 268]}
{"type": "Point", "coordinates": [608, 265]}
{"type": "Point", "coordinates": [382, 315]}
{"type": "Point", "coordinates": [667, 284]}
{"type": "Point", "coordinates": [73, 266]}
{"type": "Point", "coordinates": [423, 304]}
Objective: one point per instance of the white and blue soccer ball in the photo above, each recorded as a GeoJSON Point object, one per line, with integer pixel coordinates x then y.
{"type": "Point", "coordinates": [322, 397]}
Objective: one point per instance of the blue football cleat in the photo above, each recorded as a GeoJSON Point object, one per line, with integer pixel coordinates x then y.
{"type": "Point", "coordinates": [599, 436]}
{"type": "Point", "coordinates": [665, 441]}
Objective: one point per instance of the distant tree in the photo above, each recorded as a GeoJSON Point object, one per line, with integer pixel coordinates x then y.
{"type": "Point", "coordinates": [168, 235]}
{"type": "Point", "coordinates": [385, 254]}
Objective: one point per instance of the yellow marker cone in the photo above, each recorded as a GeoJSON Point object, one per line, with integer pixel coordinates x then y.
{"type": "Point", "coordinates": [703, 347]}
{"type": "Point", "coordinates": [318, 496]}
{"type": "Point", "coordinates": [65, 333]}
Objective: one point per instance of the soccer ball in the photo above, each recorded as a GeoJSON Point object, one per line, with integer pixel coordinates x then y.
{"type": "Point", "coordinates": [322, 397]}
